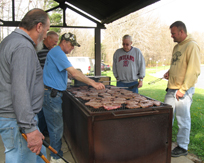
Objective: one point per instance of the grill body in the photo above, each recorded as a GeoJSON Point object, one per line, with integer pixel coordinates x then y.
{"type": "Point", "coordinates": [117, 136]}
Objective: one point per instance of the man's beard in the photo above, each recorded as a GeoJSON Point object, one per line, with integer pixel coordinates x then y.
{"type": "Point", "coordinates": [39, 46]}
{"type": "Point", "coordinates": [39, 42]}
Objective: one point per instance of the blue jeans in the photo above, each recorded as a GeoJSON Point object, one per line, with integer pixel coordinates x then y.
{"type": "Point", "coordinates": [181, 110]}
{"type": "Point", "coordinates": [41, 122]}
{"type": "Point", "coordinates": [16, 150]}
{"type": "Point", "coordinates": [121, 84]}
{"type": "Point", "coordinates": [52, 108]}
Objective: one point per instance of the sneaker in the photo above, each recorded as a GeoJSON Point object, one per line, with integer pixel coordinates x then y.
{"type": "Point", "coordinates": [178, 151]}
{"type": "Point", "coordinates": [52, 160]}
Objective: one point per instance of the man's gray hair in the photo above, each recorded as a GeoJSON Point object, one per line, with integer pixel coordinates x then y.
{"type": "Point", "coordinates": [127, 37]}
{"type": "Point", "coordinates": [32, 18]}
{"type": "Point", "coordinates": [51, 33]}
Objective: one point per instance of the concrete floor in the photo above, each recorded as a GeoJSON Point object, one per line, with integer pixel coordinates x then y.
{"type": "Point", "coordinates": [68, 156]}
{"type": "Point", "coordinates": [66, 152]}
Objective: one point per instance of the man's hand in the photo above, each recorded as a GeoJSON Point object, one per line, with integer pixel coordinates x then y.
{"type": "Point", "coordinates": [70, 76]}
{"type": "Point", "coordinates": [98, 85]}
{"type": "Point", "coordinates": [140, 84]}
{"type": "Point", "coordinates": [34, 140]}
{"type": "Point", "coordinates": [166, 75]}
{"type": "Point", "coordinates": [179, 95]}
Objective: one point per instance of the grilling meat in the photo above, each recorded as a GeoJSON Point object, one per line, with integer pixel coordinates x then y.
{"type": "Point", "coordinates": [128, 102]}
{"type": "Point", "coordinates": [118, 102]}
{"type": "Point", "coordinates": [111, 106]}
{"type": "Point", "coordinates": [146, 103]}
{"type": "Point", "coordinates": [92, 93]}
{"type": "Point", "coordinates": [95, 105]}
{"type": "Point", "coordinates": [104, 94]}
{"type": "Point", "coordinates": [119, 99]}
{"type": "Point", "coordinates": [86, 98]}
{"type": "Point", "coordinates": [157, 103]}
{"type": "Point", "coordinates": [112, 98]}
{"type": "Point", "coordinates": [132, 104]}
{"type": "Point", "coordinates": [129, 106]}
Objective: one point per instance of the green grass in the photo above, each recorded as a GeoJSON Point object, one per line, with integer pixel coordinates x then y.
{"type": "Point", "coordinates": [157, 91]}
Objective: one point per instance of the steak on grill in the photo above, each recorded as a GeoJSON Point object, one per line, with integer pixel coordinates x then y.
{"type": "Point", "coordinates": [111, 106]}
{"type": "Point", "coordinates": [110, 99]}
{"type": "Point", "coordinates": [132, 106]}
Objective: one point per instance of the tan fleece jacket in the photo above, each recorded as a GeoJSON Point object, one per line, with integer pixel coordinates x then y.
{"type": "Point", "coordinates": [185, 65]}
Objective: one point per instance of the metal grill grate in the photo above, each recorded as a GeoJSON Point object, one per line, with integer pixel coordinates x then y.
{"type": "Point", "coordinates": [101, 109]}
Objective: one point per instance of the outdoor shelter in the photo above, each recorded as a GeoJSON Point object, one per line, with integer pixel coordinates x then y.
{"type": "Point", "coordinates": [100, 12]}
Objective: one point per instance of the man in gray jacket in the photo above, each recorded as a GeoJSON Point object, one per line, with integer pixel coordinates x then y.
{"type": "Point", "coordinates": [129, 65]}
{"type": "Point", "coordinates": [22, 88]}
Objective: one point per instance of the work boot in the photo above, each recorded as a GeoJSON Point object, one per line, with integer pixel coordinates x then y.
{"type": "Point", "coordinates": [52, 160]}
{"type": "Point", "coordinates": [178, 151]}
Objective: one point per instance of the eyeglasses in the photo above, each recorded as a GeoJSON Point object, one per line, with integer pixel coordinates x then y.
{"type": "Point", "coordinates": [125, 44]}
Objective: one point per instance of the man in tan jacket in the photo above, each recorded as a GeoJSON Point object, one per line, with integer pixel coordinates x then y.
{"type": "Point", "coordinates": [182, 76]}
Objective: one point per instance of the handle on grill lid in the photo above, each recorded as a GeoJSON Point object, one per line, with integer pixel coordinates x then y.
{"type": "Point", "coordinates": [138, 113]}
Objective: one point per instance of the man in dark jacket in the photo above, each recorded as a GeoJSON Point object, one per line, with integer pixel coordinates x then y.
{"type": "Point", "coordinates": [48, 43]}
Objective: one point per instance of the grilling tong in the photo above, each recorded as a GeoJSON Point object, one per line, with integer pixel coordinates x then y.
{"type": "Point", "coordinates": [47, 146]}
{"type": "Point", "coordinates": [131, 87]}
{"type": "Point", "coordinates": [154, 81]}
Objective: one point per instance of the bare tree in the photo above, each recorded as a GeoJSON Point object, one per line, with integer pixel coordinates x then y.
{"type": "Point", "coordinates": [84, 37]}
{"type": "Point", "coordinates": [2, 17]}
{"type": "Point", "coordinates": [199, 39]}
{"type": "Point", "coordinates": [148, 35]}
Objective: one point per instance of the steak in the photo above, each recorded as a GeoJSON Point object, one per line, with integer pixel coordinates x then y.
{"type": "Point", "coordinates": [95, 105]}
{"type": "Point", "coordinates": [112, 98]}
{"type": "Point", "coordinates": [157, 103]}
{"type": "Point", "coordinates": [111, 106]}
{"type": "Point", "coordinates": [132, 106]}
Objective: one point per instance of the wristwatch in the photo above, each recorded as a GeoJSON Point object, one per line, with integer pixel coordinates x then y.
{"type": "Point", "coordinates": [141, 79]}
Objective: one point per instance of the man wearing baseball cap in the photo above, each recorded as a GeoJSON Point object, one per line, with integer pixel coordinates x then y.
{"type": "Point", "coordinates": [55, 80]}
{"type": "Point", "coordinates": [71, 38]}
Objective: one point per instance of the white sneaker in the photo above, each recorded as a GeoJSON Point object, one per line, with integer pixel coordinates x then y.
{"type": "Point", "coordinates": [60, 161]}
{"type": "Point", "coordinates": [52, 160]}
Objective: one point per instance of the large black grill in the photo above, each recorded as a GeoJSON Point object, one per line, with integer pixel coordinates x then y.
{"type": "Point", "coordinates": [140, 135]}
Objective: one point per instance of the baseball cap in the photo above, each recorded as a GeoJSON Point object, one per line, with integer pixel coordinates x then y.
{"type": "Point", "coordinates": [70, 37]}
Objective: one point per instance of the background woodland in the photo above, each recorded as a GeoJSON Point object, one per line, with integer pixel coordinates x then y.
{"type": "Point", "coordinates": [149, 34]}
